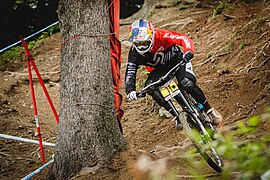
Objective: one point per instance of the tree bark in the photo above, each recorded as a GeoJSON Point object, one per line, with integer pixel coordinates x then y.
{"type": "Point", "coordinates": [88, 133]}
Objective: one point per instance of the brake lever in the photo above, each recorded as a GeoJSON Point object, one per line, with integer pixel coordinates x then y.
{"type": "Point", "coordinates": [140, 94]}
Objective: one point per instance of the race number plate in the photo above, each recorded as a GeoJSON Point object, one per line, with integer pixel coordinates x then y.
{"type": "Point", "coordinates": [169, 91]}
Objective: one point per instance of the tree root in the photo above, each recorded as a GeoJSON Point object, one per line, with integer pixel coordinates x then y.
{"type": "Point", "coordinates": [8, 155]}
{"type": "Point", "coordinates": [205, 175]}
{"type": "Point", "coordinates": [250, 65]}
{"type": "Point", "coordinates": [263, 35]}
{"type": "Point", "coordinates": [91, 170]}
{"type": "Point", "coordinates": [228, 16]}
{"type": "Point", "coordinates": [249, 109]}
{"type": "Point", "coordinates": [256, 67]}
{"type": "Point", "coordinates": [212, 59]}
{"type": "Point", "coordinates": [170, 151]}
{"type": "Point", "coordinates": [182, 22]}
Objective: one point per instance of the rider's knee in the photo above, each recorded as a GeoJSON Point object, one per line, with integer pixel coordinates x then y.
{"type": "Point", "coordinates": [187, 84]}
{"type": "Point", "coordinates": [157, 96]}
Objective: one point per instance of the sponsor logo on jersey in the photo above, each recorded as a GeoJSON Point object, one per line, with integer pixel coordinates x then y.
{"type": "Point", "coordinates": [161, 48]}
{"type": "Point", "coordinates": [175, 36]}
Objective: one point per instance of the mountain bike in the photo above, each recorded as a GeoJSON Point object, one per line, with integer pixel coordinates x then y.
{"type": "Point", "coordinates": [196, 123]}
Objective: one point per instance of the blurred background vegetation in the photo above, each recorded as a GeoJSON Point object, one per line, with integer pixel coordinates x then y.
{"type": "Point", "coordinates": [24, 17]}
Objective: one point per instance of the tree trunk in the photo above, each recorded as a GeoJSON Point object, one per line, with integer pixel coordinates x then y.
{"type": "Point", "coordinates": [88, 133]}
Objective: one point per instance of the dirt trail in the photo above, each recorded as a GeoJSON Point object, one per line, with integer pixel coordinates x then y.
{"type": "Point", "coordinates": [231, 64]}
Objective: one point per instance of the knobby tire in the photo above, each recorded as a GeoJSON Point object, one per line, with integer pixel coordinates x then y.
{"type": "Point", "coordinates": [203, 145]}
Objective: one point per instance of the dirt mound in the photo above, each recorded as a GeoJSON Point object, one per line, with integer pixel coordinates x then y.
{"type": "Point", "coordinates": [231, 63]}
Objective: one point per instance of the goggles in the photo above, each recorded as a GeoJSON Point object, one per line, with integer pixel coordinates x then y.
{"type": "Point", "coordinates": [142, 45]}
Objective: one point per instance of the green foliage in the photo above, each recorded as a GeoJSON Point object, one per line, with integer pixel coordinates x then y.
{"type": "Point", "coordinates": [228, 46]}
{"type": "Point", "coordinates": [222, 7]}
{"type": "Point", "coordinates": [242, 45]}
{"type": "Point", "coordinates": [146, 72]}
{"type": "Point", "coordinates": [211, 69]}
{"type": "Point", "coordinates": [183, 7]}
{"type": "Point", "coordinates": [19, 1]}
{"type": "Point", "coordinates": [230, 6]}
{"type": "Point", "coordinates": [243, 129]}
{"type": "Point", "coordinates": [209, 56]}
{"type": "Point", "coordinates": [251, 155]}
{"type": "Point", "coordinates": [13, 53]}
{"type": "Point", "coordinates": [138, 85]}
{"type": "Point", "coordinates": [259, 21]}
{"type": "Point", "coordinates": [31, 3]}
{"type": "Point", "coordinates": [254, 121]}
{"type": "Point", "coordinates": [153, 13]}
{"type": "Point", "coordinates": [54, 29]}
{"type": "Point", "coordinates": [218, 9]}
{"type": "Point", "coordinates": [172, 175]}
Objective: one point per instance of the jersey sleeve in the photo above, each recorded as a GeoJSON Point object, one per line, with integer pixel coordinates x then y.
{"type": "Point", "coordinates": [131, 71]}
{"type": "Point", "coordinates": [182, 40]}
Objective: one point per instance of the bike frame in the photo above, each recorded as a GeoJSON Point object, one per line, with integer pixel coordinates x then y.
{"type": "Point", "coordinates": [195, 121]}
{"type": "Point", "coordinates": [191, 111]}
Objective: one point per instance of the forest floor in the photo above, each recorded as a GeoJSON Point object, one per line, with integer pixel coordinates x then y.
{"type": "Point", "coordinates": [231, 64]}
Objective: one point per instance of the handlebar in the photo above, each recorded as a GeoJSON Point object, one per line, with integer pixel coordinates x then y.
{"type": "Point", "coordinates": [162, 80]}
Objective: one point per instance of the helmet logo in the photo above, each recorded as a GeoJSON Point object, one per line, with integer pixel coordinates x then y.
{"type": "Point", "coordinates": [140, 30]}
{"type": "Point", "coordinates": [141, 35]}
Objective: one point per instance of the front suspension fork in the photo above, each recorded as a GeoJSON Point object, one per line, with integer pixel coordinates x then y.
{"type": "Point", "coordinates": [177, 122]}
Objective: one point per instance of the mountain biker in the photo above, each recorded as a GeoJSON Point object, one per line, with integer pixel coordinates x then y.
{"type": "Point", "coordinates": [159, 50]}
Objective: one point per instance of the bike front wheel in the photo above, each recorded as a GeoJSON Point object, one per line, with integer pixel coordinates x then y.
{"type": "Point", "coordinates": [203, 143]}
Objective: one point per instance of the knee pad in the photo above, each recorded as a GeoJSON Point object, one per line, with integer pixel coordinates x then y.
{"type": "Point", "coordinates": [188, 85]}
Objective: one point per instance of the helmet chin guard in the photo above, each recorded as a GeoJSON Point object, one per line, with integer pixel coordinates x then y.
{"type": "Point", "coordinates": [141, 49]}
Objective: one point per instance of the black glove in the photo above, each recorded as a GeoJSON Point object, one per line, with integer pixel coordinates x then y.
{"type": "Point", "coordinates": [188, 56]}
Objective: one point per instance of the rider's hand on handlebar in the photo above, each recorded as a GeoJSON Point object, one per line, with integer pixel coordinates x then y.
{"type": "Point", "coordinates": [132, 95]}
{"type": "Point", "coordinates": [188, 56]}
